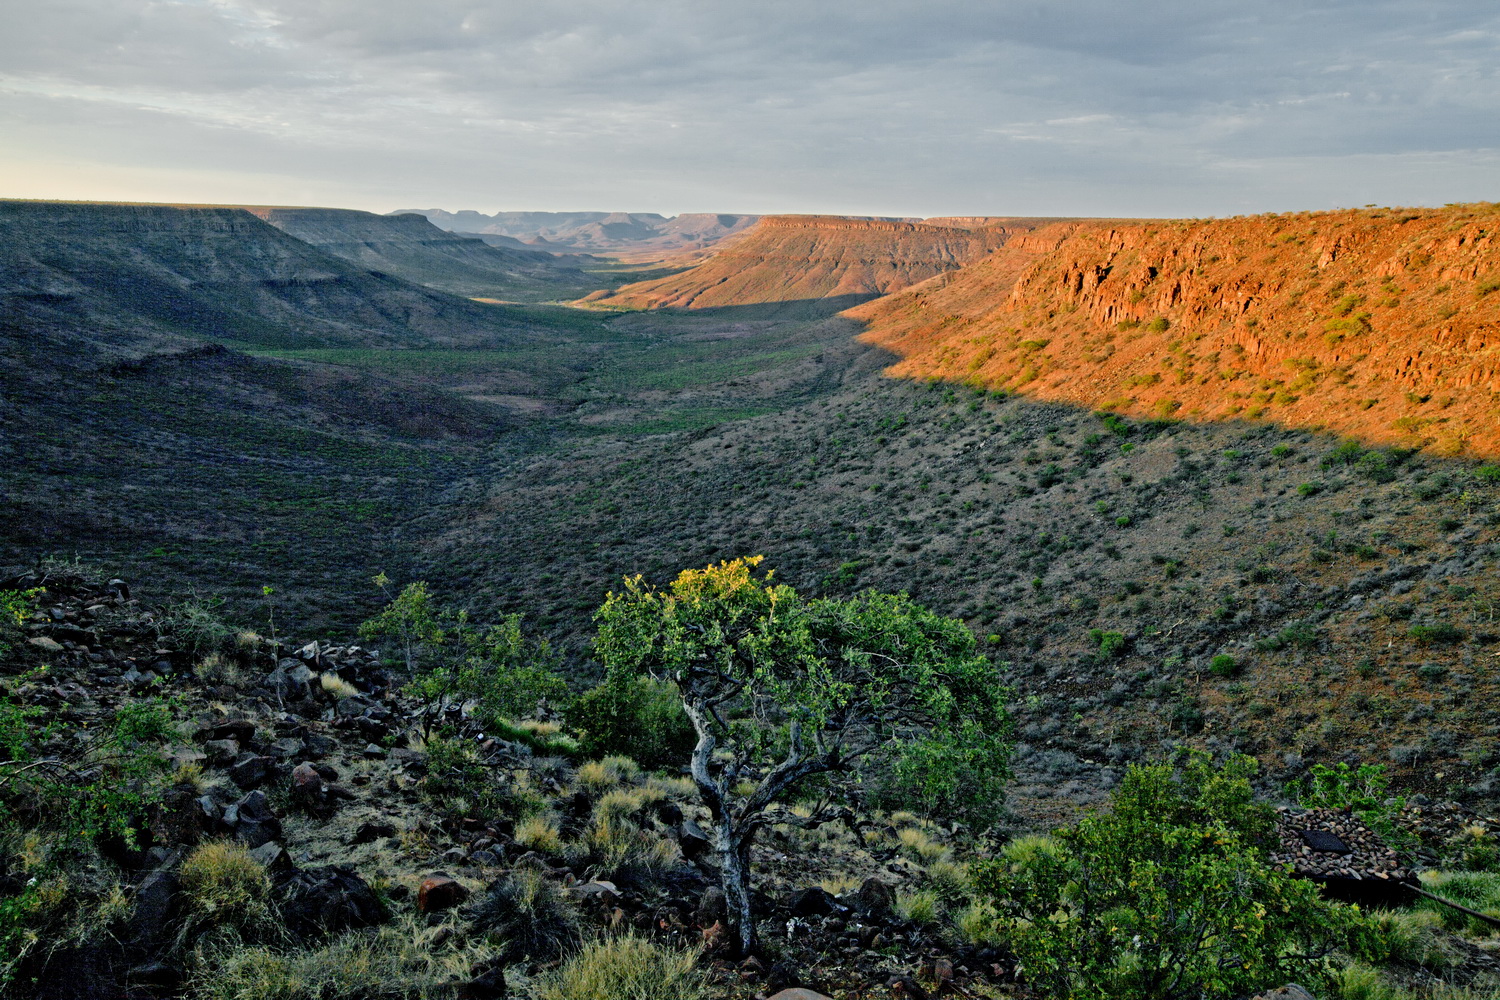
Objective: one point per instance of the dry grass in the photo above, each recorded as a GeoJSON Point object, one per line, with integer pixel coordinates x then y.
{"type": "Point", "coordinates": [396, 962]}
{"type": "Point", "coordinates": [919, 845]}
{"type": "Point", "coordinates": [921, 906]}
{"type": "Point", "coordinates": [626, 968]}
{"type": "Point", "coordinates": [528, 916]}
{"type": "Point", "coordinates": [600, 775]}
{"type": "Point", "coordinates": [337, 686]}
{"type": "Point", "coordinates": [540, 832]}
{"type": "Point", "coordinates": [226, 897]}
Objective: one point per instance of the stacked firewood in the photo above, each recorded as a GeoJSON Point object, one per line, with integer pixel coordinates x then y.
{"type": "Point", "coordinates": [1366, 857]}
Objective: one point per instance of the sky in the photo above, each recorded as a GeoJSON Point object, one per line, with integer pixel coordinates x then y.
{"type": "Point", "coordinates": [875, 107]}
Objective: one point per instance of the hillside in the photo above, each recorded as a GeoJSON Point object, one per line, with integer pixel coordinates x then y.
{"type": "Point", "coordinates": [410, 247]}
{"type": "Point", "coordinates": [801, 257]}
{"type": "Point", "coordinates": [636, 236]}
{"type": "Point", "coordinates": [1380, 324]}
{"type": "Point", "coordinates": [119, 273]}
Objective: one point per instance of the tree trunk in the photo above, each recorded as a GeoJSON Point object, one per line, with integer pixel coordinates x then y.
{"type": "Point", "coordinates": [734, 869]}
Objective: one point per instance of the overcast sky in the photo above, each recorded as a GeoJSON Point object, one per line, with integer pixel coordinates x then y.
{"type": "Point", "coordinates": [1072, 107]}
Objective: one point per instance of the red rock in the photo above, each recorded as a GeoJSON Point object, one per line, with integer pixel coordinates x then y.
{"type": "Point", "coordinates": [439, 892]}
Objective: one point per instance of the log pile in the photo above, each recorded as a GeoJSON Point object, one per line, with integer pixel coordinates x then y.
{"type": "Point", "coordinates": [1325, 844]}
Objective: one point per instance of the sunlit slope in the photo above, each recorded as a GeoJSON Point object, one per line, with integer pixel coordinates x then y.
{"type": "Point", "coordinates": [1377, 323]}
{"type": "Point", "coordinates": [787, 258]}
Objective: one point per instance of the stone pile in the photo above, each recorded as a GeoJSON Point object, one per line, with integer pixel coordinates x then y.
{"type": "Point", "coordinates": [1333, 844]}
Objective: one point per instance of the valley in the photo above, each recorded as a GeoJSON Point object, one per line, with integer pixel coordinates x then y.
{"type": "Point", "coordinates": [1221, 485]}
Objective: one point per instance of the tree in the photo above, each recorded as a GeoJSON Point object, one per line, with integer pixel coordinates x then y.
{"type": "Point", "coordinates": [412, 619]}
{"type": "Point", "coordinates": [780, 689]}
{"type": "Point", "coordinates": [1166, 897]}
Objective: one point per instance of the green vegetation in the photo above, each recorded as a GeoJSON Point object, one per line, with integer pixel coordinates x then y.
{"type": "Point", "coordinates": [626, 967]}
{"type": "Point", "coordinates": [1166, 895]}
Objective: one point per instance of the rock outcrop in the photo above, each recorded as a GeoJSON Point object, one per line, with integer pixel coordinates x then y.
{"type": "Point", "coordinates": [787, 258]}
{"type": "Point", "coordinates": [1379, 323]}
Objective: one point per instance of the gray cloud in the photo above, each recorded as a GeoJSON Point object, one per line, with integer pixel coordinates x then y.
{"type": "Point", "coordinates": [884, 106]}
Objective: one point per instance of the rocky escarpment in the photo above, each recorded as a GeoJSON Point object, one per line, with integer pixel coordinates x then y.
{"type": "Point", "coordinates": [410, 247]}
{"type": "Point", "coordinates": [112, 272]}
{"type": "Point", "coordinates": [1383, 324]}
{"type": "Point", "coordinates": [801, 257]}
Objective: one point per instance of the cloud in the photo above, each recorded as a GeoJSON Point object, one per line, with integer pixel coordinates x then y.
{"type": "Point", "coordinates": [882, 107]}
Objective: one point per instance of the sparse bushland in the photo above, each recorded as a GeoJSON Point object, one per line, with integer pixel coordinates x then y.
{"type": "Point", "coordinates": [781, 689]}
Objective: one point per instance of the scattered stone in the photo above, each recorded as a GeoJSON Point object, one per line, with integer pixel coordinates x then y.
{"type": "Point", "coordinates": [1291, 991]}
{"type": "Point", "coordinates": [222, 753]}
{"type": "Point", "coordinates": [439, 892]}
{"type": "Point", "coordinates": [45, 644]}
{"type": "Point", "coordinates": [799, 993]}
{"type": "Point", "coordinates": [274, 859]}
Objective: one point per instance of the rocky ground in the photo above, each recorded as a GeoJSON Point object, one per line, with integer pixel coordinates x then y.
{"type": "Point", "coordinates": [495, 856]}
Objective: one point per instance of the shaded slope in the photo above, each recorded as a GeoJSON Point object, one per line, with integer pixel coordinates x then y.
{"type": "Point", "coordinates": [790, 257]}
{"type": "Point", "coordinates": [410, 247]}
{"type": "Point", "coordinates": [122, 272]}
{"type": "Point", "coordinates": [1382, 324]}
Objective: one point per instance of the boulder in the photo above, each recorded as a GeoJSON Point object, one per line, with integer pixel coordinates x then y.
{"type": "Point", "coordinates": [252, 821]}
{"type": "Point", "coordinates": [439, 892]}
{"type": "Point", "coordinates": [874, 898]}
{"type": "Point", "coordinates": [252, 771]}
{"type": "Point", "coordinates": [712, 908]}
{"type": "Point", "coordinates": [45, 644]}
{"type": "Point", "coordinates": [798, 993]}
{"type": "Point", "coordinates": [813, 901]}
{"type": "Point", "coordinates": [328, 900]}
{"type": "Point", "coordinates": [1290, 991]}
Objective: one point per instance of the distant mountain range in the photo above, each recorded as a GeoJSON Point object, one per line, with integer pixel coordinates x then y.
{"type": "Point", "coordinates": [635, 234]}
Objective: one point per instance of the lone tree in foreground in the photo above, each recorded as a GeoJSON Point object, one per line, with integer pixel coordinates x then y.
{"type": "Point", "coordinates": [780, 689]}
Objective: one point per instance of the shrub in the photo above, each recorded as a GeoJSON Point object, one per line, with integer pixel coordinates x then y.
{"type": "Point", "coordinates": [1165, 896]}
{"type": "Point", "coordinates": [1441, 634]}
{"type": "Point", "coordinates": [1159, 325]}
{"type": "Point", "coordinates": [1110, 644]}
{"type": "Point", "coordinates": [528, 915]}
{"type": "Point", "coordinates": [1224, 665]}
{"type": "Point", "coordinates": [637, 717]}
{"type": "Point", "coordinates": [1309, 489]}
{"type": "Point", "coordinates": [195, 625]}
{"type": "Point", "coordinates": [626, 968]}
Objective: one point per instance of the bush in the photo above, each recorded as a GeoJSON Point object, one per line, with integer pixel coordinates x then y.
{"type": "Point", "coordinates": [636, 717]}
{"type": "Point", "coordinates": [1168, 895]}
{"type": "Point", "coordinates": [1441, 634]}
{"type": "Point", "coordinates": [195, 625]}
{"type": "Point", "coordinates": [626, 968]}
{"type": "Point", "coordinates": [1224, 665]}
{"type": "Point", "coordinates": [529, 916]}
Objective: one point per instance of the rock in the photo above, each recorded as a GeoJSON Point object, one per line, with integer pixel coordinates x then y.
{"type": "Point", "coordinates": [275, 860]}
{"type": "Point", "coordinates": [154, 899]}
{"type": "Point", "coordinates": [811, 902]}
{"type": "Point", "coordinates": [1291, 991]}
{"type": "Point", "coordinates": [489, 985]}
{"type": "Point", "coordinates": [874, 898]}
{"type": "Point", "coordinates": [712, 908]}
{"type": "Point", "coordinates": [439, 892]}
{"type": "Point", "coordinates": [312, 792]}
{"type": "Point", "coordinates": [157, 976]}
{"type": "Point", "coordinates": [287, 748]}
{"type": "Point", "coordinates": [45, 644]}
{"type": "Point", "coordinates": [691, 840]}
{"type": "Point", "coordinates": [799, 993]}
{"type": "Point", "coordinates": [221, 752]}
{"type": "Point", "coordinates": [329, 900]}
{"type": "Point", "coordinates": [600, 889]}
{"type": "Point", "coordinates": [252, 772]}
{"type": "Point", "coordinates": [252, 821]}
{"type": "Point", "coordinates": [373, 751]}
{"type": "Point", "coordinates": [368, 833]}
{"type": "Point", "coordinates": [240, 730]}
